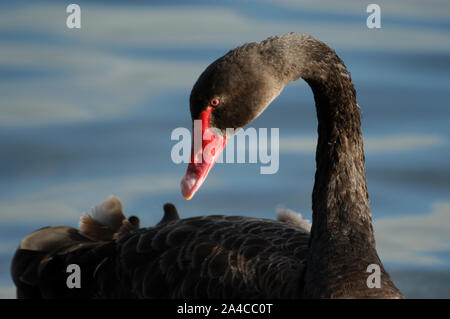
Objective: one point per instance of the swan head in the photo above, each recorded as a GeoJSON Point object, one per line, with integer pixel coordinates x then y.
{"type": "Point", "coordinates": [228, 95]}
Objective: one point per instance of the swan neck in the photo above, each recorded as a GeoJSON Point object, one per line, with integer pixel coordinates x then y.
{"type": "Point", "coordinates": [342, 243]}
{"type": "Point", "coordinates": [340, 196]}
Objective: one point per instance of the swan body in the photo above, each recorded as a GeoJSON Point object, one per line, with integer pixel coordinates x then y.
{"type": "Point", "coordinates": [200, 257]}
{"type": "Point", "coordinates": [230, 256]}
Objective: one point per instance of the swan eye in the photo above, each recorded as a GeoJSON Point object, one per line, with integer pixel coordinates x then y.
{"type": "Point", "coordinates": [214, 102]}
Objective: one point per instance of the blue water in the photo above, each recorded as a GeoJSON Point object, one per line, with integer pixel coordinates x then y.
{"type": "Point", "coordinates": [88, 113]}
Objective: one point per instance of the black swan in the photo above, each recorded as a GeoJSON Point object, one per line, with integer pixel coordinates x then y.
{"type": "Point", "coordinates": [230, 256]}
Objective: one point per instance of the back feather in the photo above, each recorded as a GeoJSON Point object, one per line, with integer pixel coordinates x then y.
{"type": "Point", "coordinates": [291, 217]}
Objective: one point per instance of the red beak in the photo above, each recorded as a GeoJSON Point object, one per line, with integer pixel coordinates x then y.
{"type": "Point", "coordinates": [203, 154]}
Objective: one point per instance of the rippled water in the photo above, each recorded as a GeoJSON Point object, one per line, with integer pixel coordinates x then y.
{"type": "Point", "coordinates": [88, 113]}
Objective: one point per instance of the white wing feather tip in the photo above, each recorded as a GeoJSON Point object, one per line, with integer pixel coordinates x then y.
{"type": "Point", "coordinates": [291, 217]}
{"type": "Point", "coordinates": [109, 212]}
{"type": "Point", "coordinates": [107, 215]}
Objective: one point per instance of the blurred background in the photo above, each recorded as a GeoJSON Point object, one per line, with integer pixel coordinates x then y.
{"type": "Point", "coordinates": [85, 113]}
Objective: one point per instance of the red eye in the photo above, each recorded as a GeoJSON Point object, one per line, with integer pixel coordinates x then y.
{"type": "Point", "coordinates": [214, 102]}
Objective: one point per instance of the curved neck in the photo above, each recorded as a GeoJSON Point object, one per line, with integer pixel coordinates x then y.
{"type": "Point", "coordinates": [342, 243]}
